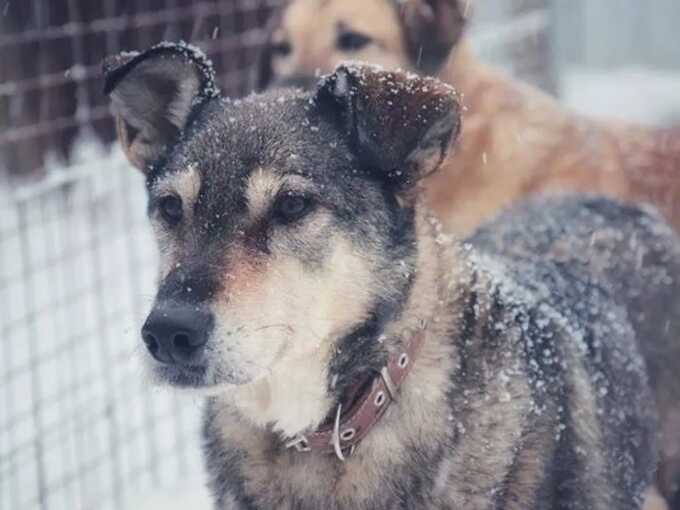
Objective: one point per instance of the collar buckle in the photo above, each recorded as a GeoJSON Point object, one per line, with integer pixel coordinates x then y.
{"type": "Point", "coordinates": [300, 443]}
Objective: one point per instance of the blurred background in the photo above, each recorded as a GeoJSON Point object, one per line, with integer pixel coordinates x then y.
{"type": "Point", "coordinates": [79, 426]}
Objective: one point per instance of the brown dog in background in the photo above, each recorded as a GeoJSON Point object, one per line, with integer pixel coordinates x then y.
{"type": "Point", "coordinates": [516, 140]}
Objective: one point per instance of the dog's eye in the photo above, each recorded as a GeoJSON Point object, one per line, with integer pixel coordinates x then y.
{"type": "Point", "coordinates": [352, 41]}
{"type": "Point", "coordinates": [291, 207]}
{"type": "Point", "coordinates": [171, 209]}
{"type": "Point", "coordinates": [281, 49]}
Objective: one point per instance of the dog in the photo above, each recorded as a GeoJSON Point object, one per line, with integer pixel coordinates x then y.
{"type": "Point", "coordinates": [355, 356]}
{"type": "Point", "coordinates": [516, 140]}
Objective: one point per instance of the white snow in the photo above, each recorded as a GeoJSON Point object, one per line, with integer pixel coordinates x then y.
{"type": "Point", "coordinates": [647, 96]}
{"type": "Point", "coordinates": [187, 494]}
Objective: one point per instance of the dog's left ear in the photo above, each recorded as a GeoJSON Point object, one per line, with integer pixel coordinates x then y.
{"type": "Point", "coordinates": [153, 94]}
{"type": "Point", "coordinates": [432, 28]}
{"type": "Point", "coordinates": [398, 124]}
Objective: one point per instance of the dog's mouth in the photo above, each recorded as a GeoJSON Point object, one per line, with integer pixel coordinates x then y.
{"type": "Point", "coordinates": [182, 376]}
{"type": "Point", "coordinates": [198, 376]}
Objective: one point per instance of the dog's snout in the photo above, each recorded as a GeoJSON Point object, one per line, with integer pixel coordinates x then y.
{"type": "Point", "coordinates": [176, 334]}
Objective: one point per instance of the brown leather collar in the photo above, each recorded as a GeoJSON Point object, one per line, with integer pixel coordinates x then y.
{"type": "Point", "coordinates": [342, 434]}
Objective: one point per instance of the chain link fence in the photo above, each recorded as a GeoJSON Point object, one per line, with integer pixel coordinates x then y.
{"type": "Point", "coordinates": [79, 426]}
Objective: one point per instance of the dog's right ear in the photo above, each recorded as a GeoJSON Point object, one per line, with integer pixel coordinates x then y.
{"type": "Point", "coordinates": [400, 125]}
{"type": "Point", "coordinates": [153, 94]}
{"type": "Point", "coordinates": [432, 28]}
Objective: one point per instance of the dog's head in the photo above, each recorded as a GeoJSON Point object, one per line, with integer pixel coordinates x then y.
{"type": "Point", "coordinates": [284, 221]}
{"type": "Point", "coordinates": [314, 36]}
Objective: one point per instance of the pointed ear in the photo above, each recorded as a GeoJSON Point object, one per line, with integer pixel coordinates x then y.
{"type": "Point", "coordinates": [399, 124]}
{"type": "Point", "coordinates": [432, 28]}
{"type": "Point", "coordinates": [152, 95]}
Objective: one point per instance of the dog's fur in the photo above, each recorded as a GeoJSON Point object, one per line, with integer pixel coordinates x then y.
{"type": "Point", "coordinates": [529, 391]}
{"type": "Point", "coordinates": [516, 140]}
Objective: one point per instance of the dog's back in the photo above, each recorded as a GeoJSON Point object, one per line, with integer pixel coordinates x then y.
{"type": "Point", "coordinates": [622, 254]}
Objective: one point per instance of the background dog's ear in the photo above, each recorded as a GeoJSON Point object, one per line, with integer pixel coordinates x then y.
{"type": "Point", "coordinates": [432, 28]}
{"type": "Point", "coordinates": [152, 95]}
{"type": "Point", "coordinates": [399, 124]}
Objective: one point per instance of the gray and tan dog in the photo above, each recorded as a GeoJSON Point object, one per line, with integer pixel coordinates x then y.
{"type": "Point", "coordinates": [358, 358]}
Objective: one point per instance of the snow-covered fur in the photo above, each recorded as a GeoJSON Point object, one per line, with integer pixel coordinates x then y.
{"type": "Point", "coordinates": [296, 255]}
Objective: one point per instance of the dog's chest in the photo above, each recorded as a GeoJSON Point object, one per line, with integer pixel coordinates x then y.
{"type": "Point", "coordinates": [251, 470]}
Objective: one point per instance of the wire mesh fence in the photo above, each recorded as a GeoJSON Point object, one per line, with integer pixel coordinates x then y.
{"type": "Point", "coordinates": [79, 428]}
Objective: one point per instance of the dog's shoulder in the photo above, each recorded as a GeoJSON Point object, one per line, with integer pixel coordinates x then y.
{"type": "Point", "coordinates": [574, 276]}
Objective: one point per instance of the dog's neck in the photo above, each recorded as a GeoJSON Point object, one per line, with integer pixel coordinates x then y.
{"type": "Point", "coordinates": [298, 401]}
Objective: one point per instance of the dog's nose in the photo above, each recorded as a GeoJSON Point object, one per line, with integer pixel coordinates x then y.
{"type": "Point", "coordinates": [177, 334]}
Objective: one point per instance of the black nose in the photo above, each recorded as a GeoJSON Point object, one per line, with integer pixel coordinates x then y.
{"type": "Point", "coordinates": [177, 334]}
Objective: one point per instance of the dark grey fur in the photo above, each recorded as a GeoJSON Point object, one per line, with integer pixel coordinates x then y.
{"type": "Point", "coordinates": [549, 320]}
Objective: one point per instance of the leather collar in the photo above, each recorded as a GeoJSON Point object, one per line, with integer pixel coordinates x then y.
{"type": "Point", "coordinates": [366, 404]}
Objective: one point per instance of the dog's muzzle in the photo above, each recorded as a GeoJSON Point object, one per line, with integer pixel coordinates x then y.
{"type": "Point", "coordinates": [176, 334]}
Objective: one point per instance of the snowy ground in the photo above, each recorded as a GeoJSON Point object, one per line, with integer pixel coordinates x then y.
{"type": "Point", "coordinates": [76, 276]}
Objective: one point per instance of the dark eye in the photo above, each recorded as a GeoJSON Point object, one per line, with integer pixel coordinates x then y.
{"type": "Point", "coordinates": [352, 41]}
{"type": "Point", "coordinates": [291, 207]}
{"type": "Point", "coordinates": [171, 209]}
{"type": "Point", "coordinates": [281, 49]}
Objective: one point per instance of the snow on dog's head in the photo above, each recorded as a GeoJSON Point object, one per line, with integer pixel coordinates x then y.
{"type": "Point", "coordinates": [284, 220]}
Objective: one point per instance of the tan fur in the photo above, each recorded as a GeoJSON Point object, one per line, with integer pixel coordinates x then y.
{"type": "Point", "coordinates": [515, 140]}
{"type": "Point", "coordinates": [185, 185]}
{"type": "Point", "coordinates": [423, 394]}
{"type": "Point", "coordinates": [314, 50]}
{"type": "Point", "coordinates": [261, 190]}
{"type": "Point", "coordinates": [585, 426]}
{"type": "Point", "coordinates": [654, 501]}
{"type": "Point", "coordinates": [302, 346]}
{"type": "Point", "coordinates": [290, 345]}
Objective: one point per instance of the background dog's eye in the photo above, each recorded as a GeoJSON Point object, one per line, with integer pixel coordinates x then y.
{"type": "Point", "coordinates": [282, 49]}
{"type": "Point", "coordinates": [171, 209]}
{"type": "Point", "coordinates": [352, 41]}
{"type": "Point", "coordinates": [292, 207]}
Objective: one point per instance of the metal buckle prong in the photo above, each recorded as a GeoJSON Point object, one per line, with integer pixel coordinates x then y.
{"type": "Point", "coordinates": [336, 434]}
{"type": "Point", "coordinates": [300, 443]}
{"type": "Point", "coordinates": [389, 383]}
